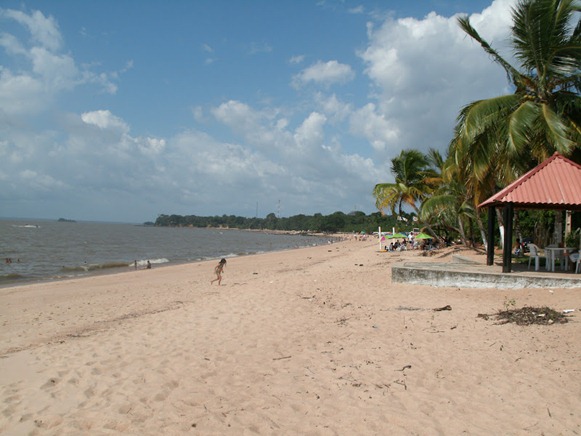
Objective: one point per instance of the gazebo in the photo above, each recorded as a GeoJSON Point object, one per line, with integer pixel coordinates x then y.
{"type": "Point", "coordinates": [554, 184]}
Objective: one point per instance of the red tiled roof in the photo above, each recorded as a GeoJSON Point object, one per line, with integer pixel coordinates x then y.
{"type": "Point", "coordinates": [554, 184]}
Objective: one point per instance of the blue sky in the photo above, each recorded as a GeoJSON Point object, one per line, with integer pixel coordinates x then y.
{"type": "Point", "coordinates": [123, 110]}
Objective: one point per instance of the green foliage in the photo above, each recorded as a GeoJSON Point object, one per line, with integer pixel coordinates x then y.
{"type": "Point", "coordinates": [537, 225]}
{"type": "Point", "coordinates": [336, 222]}
{"type": "Point", "coordinates": [413, 182]}
{"type": "Point", "coordinates": [573, 239]}
{"type": "Point", "coordinates": [509, 304]}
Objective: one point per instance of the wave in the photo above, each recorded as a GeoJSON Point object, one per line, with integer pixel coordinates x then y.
{"type": "Point", "coordinates": [11, 277]}
{"type": "Point", "coordinates": [94, 267]}
{"type": "Point", "coordinates": [143, 262]}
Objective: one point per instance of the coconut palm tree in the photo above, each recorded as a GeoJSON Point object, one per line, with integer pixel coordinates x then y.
{"type": "Point", "coordinates": [500, 138]}
{"type": "Point", "coordinates": [412, 173]}
{"type": "Point", "coordinates": [543, 115]}
{"type": "Point", "coordinates": [450, 206]}
{"type": "Point", "coordinates": [415, 179]}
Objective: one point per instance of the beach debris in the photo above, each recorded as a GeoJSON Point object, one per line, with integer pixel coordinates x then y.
{"type": "Point", "coordinates": [407, 308]}
{"type": "Point", "coordinates": [401, 382]}
{"type": "Point", "coordinates": [439, 309]}
{"type": "Point", "coordinates": [528, 316]}
{"type": "Point", "coordinates": [568, 310]}
{"type": "Point", "coordinates": [281, 358]}
{"type": "Point", "coordinates": [404, 368]}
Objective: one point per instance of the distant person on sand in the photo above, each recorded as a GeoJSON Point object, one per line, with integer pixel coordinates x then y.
{"type": "Point", "coordinates": [148, 265]}
{"type": "Point", "coordinates": [219, 269]}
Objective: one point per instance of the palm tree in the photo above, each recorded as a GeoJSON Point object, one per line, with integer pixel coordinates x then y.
{"type": "Point", "coordinates": [450, 206]}
{"type": "Point", "coordinates": [415, 180]}
{"type": "Point", "coordinates": [543, 115]}
{"type": "Point", "coordinates": [412, 172]}
{"type": "Point", "coordinates": [500, 138]}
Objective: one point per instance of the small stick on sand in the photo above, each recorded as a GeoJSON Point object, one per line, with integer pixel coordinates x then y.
{"type": "Point", "coordinates": [280, 358]}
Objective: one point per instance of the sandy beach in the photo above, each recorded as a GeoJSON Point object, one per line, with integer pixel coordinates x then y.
{"type": "Point", "coordinates": [313, 341]}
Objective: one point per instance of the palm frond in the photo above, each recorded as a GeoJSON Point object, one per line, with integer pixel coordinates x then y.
{"type": "Point", "coordinates": [519, 125]}
{"type": "Point", "coordinates": [511, 72]}
{"type": "Point", "coordinates": [557, 131]}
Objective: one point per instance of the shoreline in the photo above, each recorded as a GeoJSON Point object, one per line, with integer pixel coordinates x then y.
{"type": "Point", "coordinates": [120, 269]}
{"type": "Point", "coordinates": [315, 340]}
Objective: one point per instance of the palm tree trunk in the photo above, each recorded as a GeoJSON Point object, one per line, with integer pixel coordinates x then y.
{"type": "Point", "coordinates": [462, 232]}
{"type": "Point", "coordinates": [429, 227]}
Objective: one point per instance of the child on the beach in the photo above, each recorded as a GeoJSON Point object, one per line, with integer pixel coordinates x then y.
{"type": "Point", "coordinates": [219, 269]}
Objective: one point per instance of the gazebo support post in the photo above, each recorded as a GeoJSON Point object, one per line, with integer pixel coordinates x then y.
{"type": "Point", "coordinates": [490, 246]}
{"type": "Point", "coordinates": [507, 216]}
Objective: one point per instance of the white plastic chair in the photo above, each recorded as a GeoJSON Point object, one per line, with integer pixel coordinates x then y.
{"type": "Point", "coordinates": [534, 254]}
{"type": "Point", "coordinates": [576, 259]}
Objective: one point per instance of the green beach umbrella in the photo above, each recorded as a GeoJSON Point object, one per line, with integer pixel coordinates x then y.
{"type": "Point", "coordinates": [396, 235]}
{"type": "Point", "coordinates": [423, 236]}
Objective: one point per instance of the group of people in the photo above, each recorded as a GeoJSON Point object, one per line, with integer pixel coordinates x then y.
{"type": "Point", "coordinates": [397, 246]}
{"type": "Point", "coordinates": [412, 244]}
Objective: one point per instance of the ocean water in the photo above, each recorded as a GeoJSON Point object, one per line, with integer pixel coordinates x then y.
{"type": "Point", "coordinates": [36, 250]}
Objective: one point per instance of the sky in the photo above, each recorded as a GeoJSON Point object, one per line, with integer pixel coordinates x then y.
{"type": "Point", "coordinates": [122, 110]}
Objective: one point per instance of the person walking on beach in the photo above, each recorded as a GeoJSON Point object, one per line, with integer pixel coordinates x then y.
{"type": "Point", "coordinates": [219, 269]}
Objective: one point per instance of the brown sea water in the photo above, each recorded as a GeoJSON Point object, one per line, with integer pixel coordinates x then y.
{"type": "Point", "coordinates": [32, 250]}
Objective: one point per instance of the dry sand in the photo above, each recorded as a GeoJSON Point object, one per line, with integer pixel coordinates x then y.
{"type": "Point", "coordinates": [314, 341]}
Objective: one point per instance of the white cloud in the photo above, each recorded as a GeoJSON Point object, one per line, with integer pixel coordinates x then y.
{"type": "Point", "coordinates": [325, 74]}
{"type": "Point", "coordinates": [42, 182]}
{"type": "Point", "coordinates": [11, 44]}
{"type": "Point", "coordinates": [57, 72]}
{"type": "Point", "coordinates": [298, 59]}
{"type": "Point", "coordinates": [423, 72]}
{"type": "Point", "coordinates": [258, 128]}
{"type": "Point", "coordinates": [310, 134]}
{"type": "Point", "coordinates": [104, 119]}
{"type": "Point", "coordinates": [376, 128]}
{"type": "Point", "coordinates": [333, 107]}
{"type": "Point", "coordinates": [51, 70]}
{"type": "Point", "coordinates": [43, 30]}
{"type": "Point", "coordinates": [21, 94]}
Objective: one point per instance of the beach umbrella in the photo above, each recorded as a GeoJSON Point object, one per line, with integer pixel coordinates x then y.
{"type": "Point", "coordinates": [396, 235]}
{"type": "Point", "coordinates": [423, 236]}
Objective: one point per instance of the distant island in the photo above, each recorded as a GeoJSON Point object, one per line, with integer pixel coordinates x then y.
{"type": "Point", "coordinates": [64, 220]}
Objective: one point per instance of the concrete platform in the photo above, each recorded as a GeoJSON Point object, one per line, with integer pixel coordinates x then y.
{"type": "Point", "coordinates": [464, 273]}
